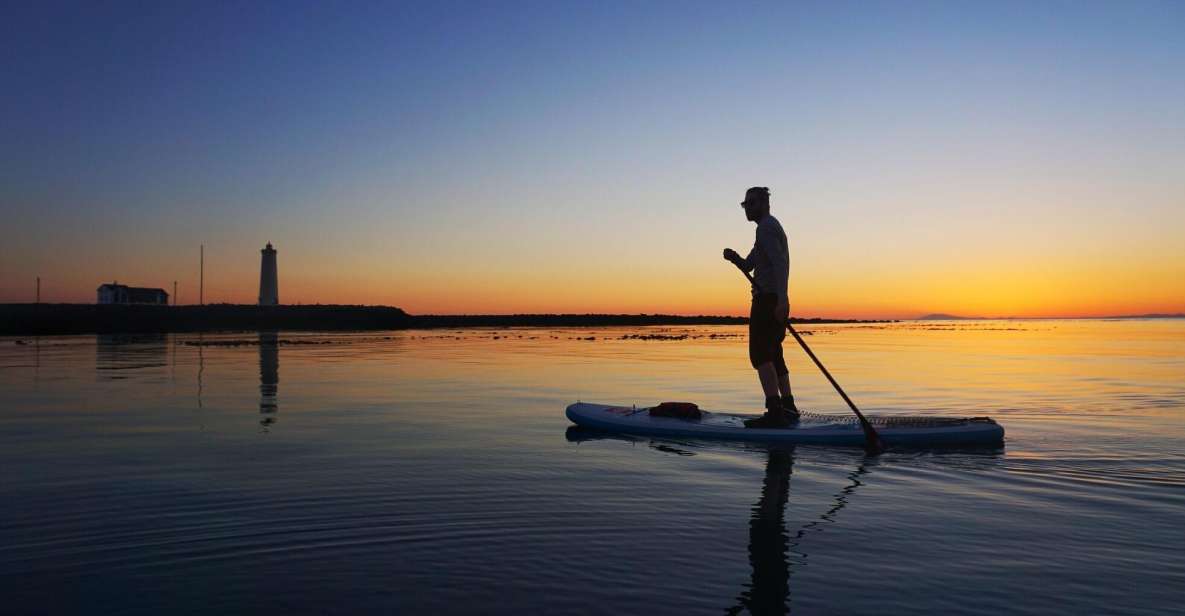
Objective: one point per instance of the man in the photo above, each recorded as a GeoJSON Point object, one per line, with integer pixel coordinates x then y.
{"type": "Point", "coordinates": [769, 260]}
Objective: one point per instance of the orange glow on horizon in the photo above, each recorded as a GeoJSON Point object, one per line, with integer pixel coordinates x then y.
{"type": "Point", "coordinates": [1072, 292]}
{"type": "Point", "coordinates": [694, 281]}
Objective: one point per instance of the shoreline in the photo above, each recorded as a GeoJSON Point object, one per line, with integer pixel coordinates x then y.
{"type": "Point", "coordinates": [68, 319]}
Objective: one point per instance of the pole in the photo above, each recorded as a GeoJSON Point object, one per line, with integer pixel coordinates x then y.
{"type": "Point", "coordinates": [174, 292]}
{"type": "Point", "coordinates": [873, 441]}
{"type": "Point", "coordinates": [39, 289]}
{"type": "Point", "coordinates": [202, 277]}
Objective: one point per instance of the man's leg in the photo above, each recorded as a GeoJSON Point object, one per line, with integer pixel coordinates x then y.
{"type": "Point", "coordinates": [770, 383]}
{"type": "Point", "coordinates": [763, 330]}
{"type": "Point", "coordinates": [760, 346]}
{"type": "Point", "coordinates": [783, 376]}
{"type": "Point", "coordinates": [784, 386]}
{"type": "Point", "coordinates": [787, 396]}
{"type": "Point", "coordinates": [775, 415]}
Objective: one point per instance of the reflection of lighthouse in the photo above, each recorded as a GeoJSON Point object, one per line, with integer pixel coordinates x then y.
{"type": "Point", "coordinates": [269, 293]}
{"type": "Point", "coordinates": [269, 376]}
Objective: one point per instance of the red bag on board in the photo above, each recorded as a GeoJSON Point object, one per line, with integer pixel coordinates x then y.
{"type": "Point", "coordinates": [682, 410]}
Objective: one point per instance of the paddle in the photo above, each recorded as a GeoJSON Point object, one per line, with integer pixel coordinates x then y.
{"type": "Point", "coordinates": [872, 441]}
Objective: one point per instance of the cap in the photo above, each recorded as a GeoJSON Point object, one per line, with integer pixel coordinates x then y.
{"type": "Point", "coordinates": [757, 193]}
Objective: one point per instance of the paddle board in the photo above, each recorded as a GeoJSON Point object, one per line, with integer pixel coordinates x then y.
{"type": "Point", "coordinates": [811, 430]}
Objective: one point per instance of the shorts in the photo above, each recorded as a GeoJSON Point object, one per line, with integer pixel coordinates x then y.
{"type": "Point", "coordinates": [766, 333]}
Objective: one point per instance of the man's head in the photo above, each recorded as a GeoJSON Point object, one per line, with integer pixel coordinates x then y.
{"type": "Point", "coordinates": [756, 203]}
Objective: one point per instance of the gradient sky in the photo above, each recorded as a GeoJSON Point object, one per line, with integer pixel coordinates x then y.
{"type": "Point", "coordinates": [987, 158]}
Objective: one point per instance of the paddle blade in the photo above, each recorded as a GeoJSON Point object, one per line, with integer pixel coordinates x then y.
{"type": "Point", "coordinates": [873, 444]}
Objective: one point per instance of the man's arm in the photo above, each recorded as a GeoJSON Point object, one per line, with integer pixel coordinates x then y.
{"type": "Point", "coordinates": [745, 263]}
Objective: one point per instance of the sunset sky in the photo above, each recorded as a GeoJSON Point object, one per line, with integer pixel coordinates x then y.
{"type": "Point", "coordinates": [991, 158]}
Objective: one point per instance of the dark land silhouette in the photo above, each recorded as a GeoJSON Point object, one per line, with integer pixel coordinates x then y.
{"type": "Point", "coordinates": [940, 316]}
{"type": "Point", "coordinates": [55, 319]}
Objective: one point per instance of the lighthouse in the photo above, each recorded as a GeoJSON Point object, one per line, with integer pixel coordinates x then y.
{"type": "Point", "coordinates": [269, 293]}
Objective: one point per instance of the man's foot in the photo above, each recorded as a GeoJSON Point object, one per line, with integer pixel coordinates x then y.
{"type": "Point", "coordinates": [790, 409]}
{"type": "Point", "coordinates": [774, 417]}
{"type": "Point", "coordinates": [769, 420]}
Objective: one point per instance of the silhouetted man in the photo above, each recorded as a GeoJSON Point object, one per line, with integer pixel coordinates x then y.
{"type": "Point", "coordinates": [769, 260]}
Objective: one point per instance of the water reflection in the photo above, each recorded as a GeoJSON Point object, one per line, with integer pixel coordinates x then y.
{"type": "Point", "coordinates": [201, 368]}
{"type": "Point", "coordinates": [770, 544]}
{"type": "Point", "coordinates": [115, 353]}
{"type": "Point", "coordinates": [108, 483]}
{"type": "Point", "coordinates": [269, 377]}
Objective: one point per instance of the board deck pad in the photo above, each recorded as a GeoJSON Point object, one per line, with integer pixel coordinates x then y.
{"type": "Point", "coordinates": [812, 429]}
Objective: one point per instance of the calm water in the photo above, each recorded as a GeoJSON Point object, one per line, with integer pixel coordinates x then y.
{"type": "Point", "coordinates": [435, 472]}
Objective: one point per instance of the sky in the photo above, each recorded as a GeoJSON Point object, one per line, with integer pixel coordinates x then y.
{"type": "Point", "coordinates": [989, 158]}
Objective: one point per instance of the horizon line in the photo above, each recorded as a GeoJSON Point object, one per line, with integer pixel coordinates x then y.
{"type": "Point", "coordinates": [931, 316]}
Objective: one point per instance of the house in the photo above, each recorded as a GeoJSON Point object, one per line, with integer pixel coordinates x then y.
{"type": "Point", "coordinates": [115, 293]}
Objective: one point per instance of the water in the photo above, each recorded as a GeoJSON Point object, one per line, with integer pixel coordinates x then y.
{"type": "Point", "coordinates": [433, 471]}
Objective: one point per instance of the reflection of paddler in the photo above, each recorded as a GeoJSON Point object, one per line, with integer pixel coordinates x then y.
{"type": "Point", "coordinates": [768, 590]}
{"type": "Point", "coordinates": [269, 375]}
{"type": "Point", "coordinates": [769, 545]}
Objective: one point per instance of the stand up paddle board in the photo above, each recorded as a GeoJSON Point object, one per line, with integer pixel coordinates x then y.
{"type": "Point", "coordinates": [813, 429]}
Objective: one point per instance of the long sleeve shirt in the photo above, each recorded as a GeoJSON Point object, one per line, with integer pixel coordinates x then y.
{"type": "Point", "coordinates": [769, 260]}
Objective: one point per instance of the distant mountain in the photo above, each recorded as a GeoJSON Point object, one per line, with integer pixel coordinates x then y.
{"type": "Point", "coordinates": [938, 316]}
{"type": "Point", "coordinates": [1179, 315]}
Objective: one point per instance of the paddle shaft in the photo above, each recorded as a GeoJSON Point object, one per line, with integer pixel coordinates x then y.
{"type": "Point", "coordinates": [874, 440]}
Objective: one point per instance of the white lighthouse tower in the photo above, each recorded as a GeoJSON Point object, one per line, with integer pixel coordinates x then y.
{"type": "Point", "coordinates": [269, 292]}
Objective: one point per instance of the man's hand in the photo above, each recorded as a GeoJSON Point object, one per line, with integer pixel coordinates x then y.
{"type": "Point", "coordinates": [731, 256]}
